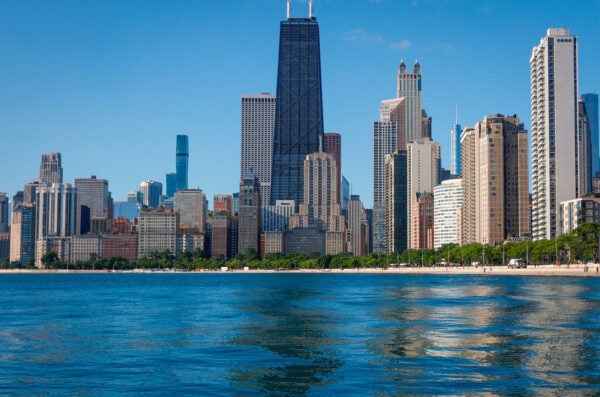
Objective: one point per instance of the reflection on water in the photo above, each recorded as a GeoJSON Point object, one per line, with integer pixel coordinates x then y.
{"type": "Point", "coordinates": [299, 335]}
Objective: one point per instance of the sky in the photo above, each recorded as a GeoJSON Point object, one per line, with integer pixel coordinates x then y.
{"type": "Point", "coordinates": [109, 84]}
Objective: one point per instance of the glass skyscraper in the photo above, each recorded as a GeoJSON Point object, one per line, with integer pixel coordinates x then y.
{"type": "Point", "coordinates": [299, 108]}
{"type": "Point", "coordinates": [181, 162]}
{"type": "Point", "coordinates": [591, 109]}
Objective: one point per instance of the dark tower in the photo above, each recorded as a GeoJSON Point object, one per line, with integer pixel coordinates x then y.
{"type": "Point", "coordinates": [181, 162]}
{"type": "Point", "coordinates": [299, 107]}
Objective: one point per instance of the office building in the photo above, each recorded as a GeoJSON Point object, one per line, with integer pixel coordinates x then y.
{"type": "Point", "coordinates": [126, 209]}
{"type": "Point", "coordinates": [248, 220]}
{"type": "Point", "coordinates": [56, 210]}
{"type": "Point", "coordinates": [396, 204]}
{"type": "Point", "coordinates": [553, 129]}
{"type": "Point", "coordinates": [447, 200]}
{"type": "Point", "coordinates": [258, 123]}
{"type": "Point", "coordinates": [501, 179]}
{"type": "Point", "coordinates": [277, 217]}
{"type": "Point", "coordinates": [344, 194]}
{"type": "Point", "coordinates": [358, 227]}
{"type": "Point", "coordinates": [455, 164]}
{"type": "Point", "coordinates": [272, 242]}
{"type": "Point", "coordinates": [409, 87]}
{"type": "Point", "coordinates": [299, 108]}
{"type": "Point", "coordinates": [332, 144]}
{"type": "Point", "coordinates": [468, 222]}
{"type": "Point", "coordinates": [591, 109]}
{"type": "Point", "coordinates": [223, 204]}
{"type": "Point", "coordinates": [171, 180]}
{"type": "Point", "coordinates": [151, 192]}
{"type": "Point", "coordinates": [120, 246]}
{"type": "Point", "coordinates": [425, 124]}
{"type": "Point", "coordinates": [423, 165]}
{"type": "Point", "coordinates": [94, 194]}
{"type": "Point", "coordinates": [219, 227]}
{"type": "Point", "coordinates": [84, 248]}
{"type": "Point", "coordinates": [191, 204]}
{"type": "Point", "coordinates": [22, 234]}
{"type": "Point", "coordinates": [3, 213]}
{"type": "Point", "coordinates": [51, 169]}
{"type": "Point", "coordinates": [4, 245]}
{"type": "Point", "coordinates": [422, 221]}
{"type": "Point", "coordinates": [182, 155]}
{"type": "Point", "coordinates": [584, 151]}
{"type": "Point", "coordinates": [157, 231]}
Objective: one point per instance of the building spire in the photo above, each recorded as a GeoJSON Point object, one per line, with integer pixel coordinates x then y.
{"type": "Point", "coordinates": [310, 9]}
{"type": "Point", "coordinates": [456, 122]}
{"type": "Point", "coordinates": [289, 9]}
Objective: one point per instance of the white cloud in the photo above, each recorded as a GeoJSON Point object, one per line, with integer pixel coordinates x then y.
{"type": "Point", "coordinates": [400, 45]}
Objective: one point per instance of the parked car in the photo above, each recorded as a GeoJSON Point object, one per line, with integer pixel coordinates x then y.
{"type": "Point", "coordinates": [516, 264]}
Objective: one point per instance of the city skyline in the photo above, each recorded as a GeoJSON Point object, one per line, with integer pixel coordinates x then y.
{"type": "Point", "coordinates": [111, 92]}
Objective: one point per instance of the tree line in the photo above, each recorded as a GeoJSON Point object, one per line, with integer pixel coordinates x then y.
{"type": "Point", "coordinates": [579, 246]}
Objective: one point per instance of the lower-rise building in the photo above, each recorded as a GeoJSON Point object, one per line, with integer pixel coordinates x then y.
{"type": "Point", "coordinates": [157, 231]}
{"type": "Point", "coordinates": [120, 246]}
{"type": "Point", "coordinates": [576, 212]}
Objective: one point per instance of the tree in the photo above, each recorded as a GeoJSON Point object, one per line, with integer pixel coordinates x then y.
{"type": "Point", "coordinates": [50, 259]}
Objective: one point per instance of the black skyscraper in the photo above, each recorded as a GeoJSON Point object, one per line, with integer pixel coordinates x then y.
{"type": "Point", "coordinates": [299, 107]}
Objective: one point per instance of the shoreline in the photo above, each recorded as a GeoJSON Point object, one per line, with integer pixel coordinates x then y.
{"type": "Point", "coordinates": [577, 270]}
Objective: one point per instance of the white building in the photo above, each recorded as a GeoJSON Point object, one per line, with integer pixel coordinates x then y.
{"type": "Point", "coordinates": [447, 200]}
{"type": "Point", "coordinates": [258, 123]}
{"type": "Point", "coordinates": [553, 129]}
{"type": "Point", "coordinates": [56, 210]}
{"type": "Point", "coordinates": [277, 217]}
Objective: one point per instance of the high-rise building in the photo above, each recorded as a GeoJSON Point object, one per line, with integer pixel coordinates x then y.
{"type": "Point", "coordinates": [126, 209]}
{"type": "Point", "coordinates": [584, 151]}
{"type": "Point", "coordinates": [151, 192]}
{"type": "Point", "coordinates": [455, 165]}
{"type": "Point", "coordinates": [468, 223]}
{"type": "Point", "coordinates": [135, 196]}
{"type": "Point", "coordinates": [299, 108]}
{"type": "Point", "coordinates": [157, 231]}
{"type": "Point", "coordinates": [191, 206]}
{"type": "Point", "coordinates": [591, 109]}
{"type": "Point", "coordinates": [574, 213]}
{"type": "Point", "coordinates": [249, 214]}
{"type": "Point", "coordinates": [425, 124]}
{"type": "Point", "coordinates": [182, 155]}
{"type": "Point", "coordinates": [56, 212]}
{"type": "Point", "coordinates": [223, 204]}
{"type": "Point", "coordinates": [93, 193]}
{"type": "Point", "coordinates": [258, 121]}
{"type": "Point", "coordinates": [219, 227]}
{"type": "Point", "coordinates": [447, 200]}
{"type": "Point", "coordinates": [344, 194]}
{"type": "Point", "coordinates": [396, 201]}
{"type": "Point", "coordinates": [409, 86]}
{"type": "Point", "coordinates": [423, 166]}
{"type": "Point", "coordinates": [22, 234]}
{"type": "Point", "coordinates": [553, 129]}
{"type": "Point", "coordinates": [333, 145]}
{"type": "Point", "coordinates": [171, 179]}
{"type": "Point", "coordinates": [30, 191]}
{"type": "Point", "coordinates": [3, 213]}
{"type": "Point", "coordinates": [358, 227]}
{"type": "Point", "coordinates": [422, 221]}
{"type": "Point", "coordinates": [51, 169]}
{"type": "Point", "coordinates": [501, 179]}
{"type": "Point", "coordinates": [277, 217]}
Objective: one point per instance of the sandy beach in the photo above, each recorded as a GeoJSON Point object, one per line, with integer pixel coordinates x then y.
{"type": "Point", "coordinates": [579, 270]}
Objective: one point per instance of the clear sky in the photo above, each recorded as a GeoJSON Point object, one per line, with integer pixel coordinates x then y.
{"type": "Point", "coordinates": [109, 84]}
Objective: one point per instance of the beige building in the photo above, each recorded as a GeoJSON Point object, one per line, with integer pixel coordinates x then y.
{"type": "Point", "coordinates": [82, 247]}
{"type": "Point", "coordinates": [467, 217]}
{"type": "Point", "coordinates": [157, 231]}
{"type": "Point", "coordinates": [574, 213]}
{"type": "Point", "coordinates": [272, 242]}
{"type": "Point", "coordinates": [501, 179]}
{"type": "Point", "coordinates": [191, 206]}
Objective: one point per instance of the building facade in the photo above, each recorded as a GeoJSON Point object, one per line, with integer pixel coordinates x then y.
{"type": "Point", "coordinates": [422, 221]}
{"type": "Point", "coordinates": [553, 129]}
{"type": "Point", "coordinates": [157, 231]}
{"type": "Point", "coordinates": [447, 201]}
{"type": "Point", "coordinates": [3, 213]}
{"type": "Point", "coordinates": [22, 234]}
{"type": "Point", "coordinates": [396, 205]}
{"type": "Point", "coordinates": [576, 212]}
{"type": "Point", "coordinates": [249, 214]}
{"type": "Point", "coordinates": [151, 192]}
{"type": "Point", "coordinates": [182, 156]}
{"type": "Point", "coordinates": [358, 227]}
{"type": "Point", "coordinates": [51, 169]}
{"type": "Point", "coordinates": [191, 206]}
{"type": "Point", "coordinates": [591, 108]}
{"type": "Point", "coordinates": [258, 123]}
{"type": "Point", "coordinates": [56, 212]}
{"type": "Point", "coordinates": [468, 222]}
{"type": "Point", "coordinates": [277, 217]}
{"type": "Point", "coordinates": [409, 87]}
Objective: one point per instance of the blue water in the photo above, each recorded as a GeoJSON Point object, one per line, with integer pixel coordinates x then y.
{"type": "Point", "coordinates": [298, 335]}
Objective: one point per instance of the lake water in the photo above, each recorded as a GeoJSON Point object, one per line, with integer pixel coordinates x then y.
{"type": "Point", "coordinates": [298, 335]}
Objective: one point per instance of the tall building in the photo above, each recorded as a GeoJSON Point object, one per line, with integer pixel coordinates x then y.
{"type": "Point", "coordinates": [223, 203]}
{"type": "Point", "coordinates": [584, 151]}
{"type": "Point", "coordinates": [423, 167]}
{"type": "Point", "coordinates": [422, 221]}
{"type": "Point", "coordinates": [135, 196]}
{"type": "Point", "coordinates": [93, 193]}
{"type": "Point", "coordinates": [396, 204]}
{"type": "Point", "coordinates": [219, 227]}
{"type": "Point", "coordinates": [171, 180]}
{"type": "Point", "coordinates": [553, 129]}
{"type": "Point", "coordinates": [3, 213]}
{"type": "Point", "coordinates": [56, 212]}
{"type": "Point", "coordinates": [299, 108]}
{"type": "Point", "coordinates": [344, 194]}
{"type": "Point", "coordinates": [591, 109]}
{"type": "Point", "coordinates": [182, 155]}
{"type": "Point", "coordinates": [151, 192]}
{"type": "Point", "coordinates": [358, 227]}
{"type": "Point", "coordinates": [126, 209]}
{"type": "Point", "coordinates": [258, 123]}
{"type": "Point", "coordinates": [574, 213]}
{"type": "Point", "coordinates": [468, 223]}
{"type": "Point", "coordinates": [22, 234]}
{"type": "Point", "coordinates": [51, 169]}
{"type": "Point", "coordinates": [190, 204]}
{"type": "Point", "coordinates": [249, 214]}
{"type": "Point", "coordinates": [157, 231]}
{"type": "Point", "coordinates": [425, 124]}
{"type": "Point", "coordinates": [501, 179]}
{"type": "Point", "coordinates": [455, 164]}
{"type": "Point", "coordinates": [333, 145]}
{"type": "Point", "coordinates": [447, 200]}
{"type": "Point", "coordinates": [409, 86]}
{"type": "Point", "coordinates": [277, 217]}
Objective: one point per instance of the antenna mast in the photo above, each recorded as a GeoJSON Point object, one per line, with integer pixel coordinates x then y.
{"type": "Point", "coordinates": [289, 9]}
{"type": "Point", "coordinates": [456, 113]}
{"type": "Point", "coordinates": [310, 9]}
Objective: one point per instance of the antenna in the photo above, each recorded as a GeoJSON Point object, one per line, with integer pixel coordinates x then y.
{"type": "Point", "coordinates": [456, 114]}
{"type": "Point", "coordinates": [320, 143]}
{"type": "Point", "coordinates": [310, 9]}
{"type": "Point", "coordinates": [289, 9]}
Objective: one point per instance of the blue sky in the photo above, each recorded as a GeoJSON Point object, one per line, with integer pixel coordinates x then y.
{"type": "Point", "coordinates": [109, 84]}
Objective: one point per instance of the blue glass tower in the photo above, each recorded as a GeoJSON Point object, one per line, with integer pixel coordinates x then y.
{"type": "Point", "coordinates": [299, 108]}
{"type": "Point", "coordinates": [181, 162]}
{"type": "Point", "coordinates": [591, 109]}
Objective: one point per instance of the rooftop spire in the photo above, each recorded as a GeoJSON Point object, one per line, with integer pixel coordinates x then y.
{"type": "Point", "coordinates": [456, 114]}
{"type": "Point", "coordinates": [289, 9]}
{"type": "Point", "coordinates": [310, 9]}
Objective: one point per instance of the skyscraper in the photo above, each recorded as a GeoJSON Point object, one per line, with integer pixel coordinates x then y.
{"type": "Point", "coordinates": [409, 86]}
{"type": "Point", "coordinates": [190, 204]}
{"type": "Point", "coordinates": [395, 201]}
{"type": "Point", "coordinates": [157, 231]}
{"type": "Point", "coordinates": [94, 194]}
{"type": "Point", "coordinates": [584, 151]}
{"type": "Point", "coordinates": [51, 168]}
{"type": "Point", "coordinates": [455, 165]}
{"type": "Point", "coordinates": [171, 179]}
{"type": "Point", "coordinates": [3, 213]}
{"type": "Point", "coordinates": [249, 214]}
{"type": "Point", "coordinates": [299, 109]}
{"type": "Point", "coordinates": [333, 145]}
{"type": "Point", "coordinates": [468, 222]}
{"type": "Point", "coordinates": [447, 199]}
{"type": "Point", "coordinates": [182, 154]}
{"type": "Point", "coordinates": [22, 234]}
{"type": "Point", "coordinates": [56, 210]}
{"type": "Point", "coordinates": [358, 227]}
{"type": "Point", "coordinates": [258, 122]}
{"type": "Point", "coordinates": [591, 109]}
{"type": "Point", "coordinates": [151, 192]}
{"type": "Point", "coordinates": [553, 129]}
